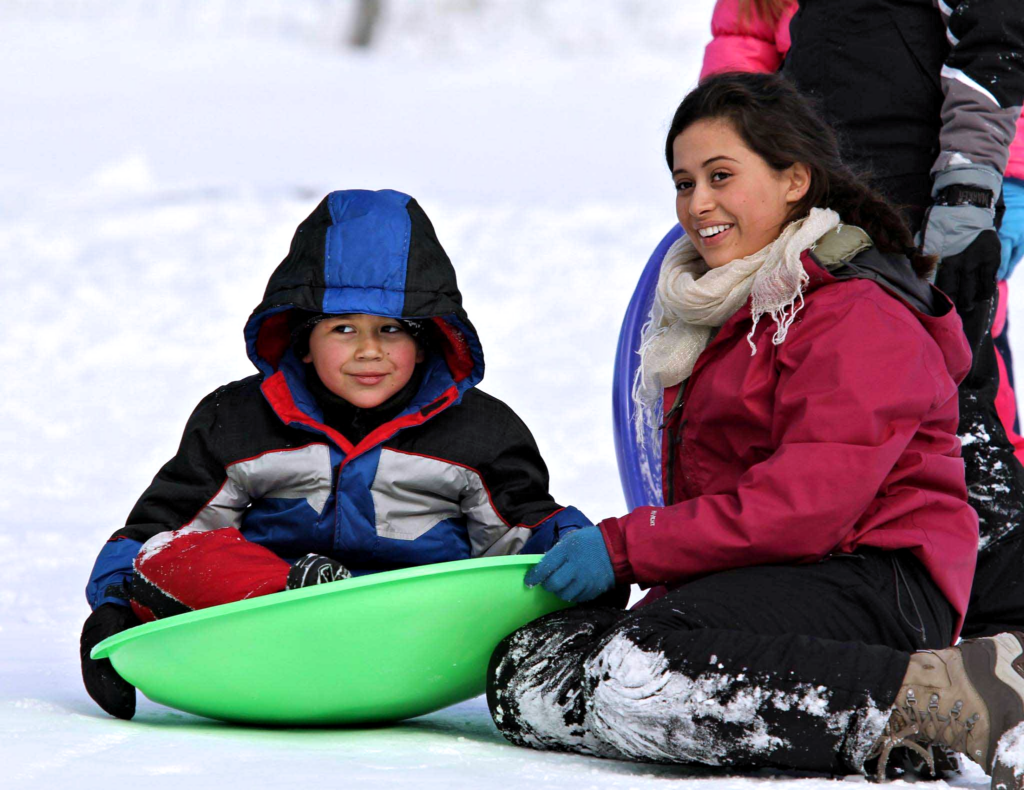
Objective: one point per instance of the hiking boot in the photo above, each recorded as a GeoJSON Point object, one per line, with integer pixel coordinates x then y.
{"type": "Point", "coordinates": [961, 699]}
{"type": "Point", "coordinates": [315, 569]}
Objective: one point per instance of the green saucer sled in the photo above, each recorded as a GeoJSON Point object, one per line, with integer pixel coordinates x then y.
{"type": "Point", "coordinates": [369, 650]}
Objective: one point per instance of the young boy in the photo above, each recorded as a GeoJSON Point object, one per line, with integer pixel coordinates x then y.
{"type": "Point", "coordinates": [362, 445]}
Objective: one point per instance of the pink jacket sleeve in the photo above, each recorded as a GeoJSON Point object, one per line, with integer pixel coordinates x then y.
{"type": "Point", "coordinates": [851, 394]}
{"type": "Point", "coordinates": [745, 45]}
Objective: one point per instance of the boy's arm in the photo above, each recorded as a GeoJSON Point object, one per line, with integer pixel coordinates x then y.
{"type": "Point", "coordinates": [514, 513]}
{"type": "Point", "coordinates": [190, 489]}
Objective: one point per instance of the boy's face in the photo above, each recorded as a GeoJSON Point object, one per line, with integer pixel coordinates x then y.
{"type": "Point", "coordinates": [362, 358]}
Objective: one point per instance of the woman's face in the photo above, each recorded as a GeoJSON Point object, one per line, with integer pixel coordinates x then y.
{"type": "Point", "coordinates": [729, 200]}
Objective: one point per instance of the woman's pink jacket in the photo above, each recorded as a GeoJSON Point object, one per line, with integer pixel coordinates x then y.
{"type": "Point", "coordinates": [841, 437]}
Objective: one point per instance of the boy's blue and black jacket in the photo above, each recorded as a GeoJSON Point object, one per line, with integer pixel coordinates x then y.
{"type": "Point", "coordinates": [456, 474]}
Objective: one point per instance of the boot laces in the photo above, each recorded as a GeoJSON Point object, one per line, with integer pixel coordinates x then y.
{"type": "Point", "coordinates": [924, 732]}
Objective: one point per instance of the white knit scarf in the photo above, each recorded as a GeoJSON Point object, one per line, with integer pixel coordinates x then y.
{"type": "Point", "coordinates": [691, 299]}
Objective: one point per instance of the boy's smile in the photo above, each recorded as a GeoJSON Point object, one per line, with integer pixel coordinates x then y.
{"type": "Point", "coordinates": [363, 358]}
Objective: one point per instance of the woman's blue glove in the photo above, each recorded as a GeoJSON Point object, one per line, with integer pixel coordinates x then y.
{"type": "Point", "coordinates": [577, 568]}
{"type": "Point", "coordinates": [1011, 233]}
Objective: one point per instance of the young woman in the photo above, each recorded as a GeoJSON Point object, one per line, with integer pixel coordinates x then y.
{"type": "Point", "coordinates": [817, 542]}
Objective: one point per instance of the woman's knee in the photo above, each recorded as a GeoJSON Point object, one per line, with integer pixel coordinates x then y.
{"type": "Point", "coordinates": [535, 678]}
{"type": "Point", "coordinates": [565, 684]}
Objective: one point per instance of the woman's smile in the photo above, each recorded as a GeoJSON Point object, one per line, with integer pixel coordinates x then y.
{"type": "Point", "coordinates": [714, 234]}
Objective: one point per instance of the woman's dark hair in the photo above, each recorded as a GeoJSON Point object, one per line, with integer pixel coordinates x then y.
{"type": "Point", "coordinates": [782, 127]}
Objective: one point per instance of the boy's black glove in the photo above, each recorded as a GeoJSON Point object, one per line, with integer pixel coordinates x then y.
{"type": "Point", "coordinates": [315, 569]}
{"type": "Point", "coordinates": [110, 691]}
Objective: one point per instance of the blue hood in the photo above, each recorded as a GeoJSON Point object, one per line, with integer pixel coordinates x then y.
{"type": "Point", "coordinates": [364, 252]}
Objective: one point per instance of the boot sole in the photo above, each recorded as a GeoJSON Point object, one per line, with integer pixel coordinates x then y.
{"type": "Point", "coordinates": [996, 669]}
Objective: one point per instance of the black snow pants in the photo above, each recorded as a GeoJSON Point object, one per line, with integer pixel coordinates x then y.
{"type": "Point", "coordinates": [773, 666]}
{"type": "Point", "coordinates": [995, 489]}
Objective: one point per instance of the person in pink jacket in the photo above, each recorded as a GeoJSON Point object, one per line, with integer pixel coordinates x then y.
{"type": "Point", "coordinates": [748, 36]}
{"type": "Point", "coordinates": [816, 539]}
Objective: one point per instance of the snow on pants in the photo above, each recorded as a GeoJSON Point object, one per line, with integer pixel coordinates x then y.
{"type": "Point", "coordinates": [195, 570]}
{"type": "Point", "coordinates": [774, 666]}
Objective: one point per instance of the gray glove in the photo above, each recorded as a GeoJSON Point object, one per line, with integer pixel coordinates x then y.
{"type": "Point", "coordinates": [960, 229]}
{"type": "Point", "coordinates": [950, 229]}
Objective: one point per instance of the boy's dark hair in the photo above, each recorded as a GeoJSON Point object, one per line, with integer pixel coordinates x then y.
{"type": "Point", "coordinates": [302, 322]}
{"type": "Point", "coordinates": [300, 326]}
{"type": "Point", "coordinates": [782, 126]}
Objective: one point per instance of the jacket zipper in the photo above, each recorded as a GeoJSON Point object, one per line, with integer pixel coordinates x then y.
{"type": "Point", "coordinates": [675, 438]}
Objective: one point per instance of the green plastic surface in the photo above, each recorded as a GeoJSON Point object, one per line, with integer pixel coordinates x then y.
{"type": "Point", "coordinates": [368, 650]}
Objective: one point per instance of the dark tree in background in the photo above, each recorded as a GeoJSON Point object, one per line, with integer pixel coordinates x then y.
{"type": "Point", "coordinates": [367, 14]}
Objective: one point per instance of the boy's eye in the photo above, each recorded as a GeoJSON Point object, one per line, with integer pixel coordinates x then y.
{"type": "Point", "coordinates": [391, 329]}
{"type": "Point", "coordinates": [343, 328]}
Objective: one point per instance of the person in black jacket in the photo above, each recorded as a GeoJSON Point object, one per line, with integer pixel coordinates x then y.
{"type": "Point", "coordinates": [362, 444]}
{"type": "Point", "coordinates": [925, 95]}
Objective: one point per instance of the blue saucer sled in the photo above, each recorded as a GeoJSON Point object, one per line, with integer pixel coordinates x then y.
{"type": "Point", "coordinates": [378, 648]}
{"type": "Point", "coordinates": [639, 469]}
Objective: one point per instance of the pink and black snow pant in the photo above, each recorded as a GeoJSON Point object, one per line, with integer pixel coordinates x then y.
{"type": "Point", "coordinates": [791, 667]}
{"type": "Point", "coordinates": [1006, 398]}
{"type": "Point", "coordinates": [195, 570]}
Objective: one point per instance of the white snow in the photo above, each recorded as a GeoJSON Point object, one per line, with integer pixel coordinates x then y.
{"type": "Point", "coordinates": [644, 709]}
{"type": "Point", "coordinates": [156, 158]}
{"type": "Point", "coordinates": [974, 438]}
{"type": "Point", "coordinates": [1010, 750]}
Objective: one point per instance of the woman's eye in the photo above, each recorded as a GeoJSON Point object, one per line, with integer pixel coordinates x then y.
{"type": "Point", "coordinates": [683, 185]}
{"type": "Point", "coordinates": [720, 176]}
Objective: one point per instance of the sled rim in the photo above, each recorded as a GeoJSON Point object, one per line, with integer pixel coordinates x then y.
{"type": "Point", "coordinates": [111, 643]}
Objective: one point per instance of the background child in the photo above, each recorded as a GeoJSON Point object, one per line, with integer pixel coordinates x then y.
{"type": "Point", "coordinates": [361, 446]}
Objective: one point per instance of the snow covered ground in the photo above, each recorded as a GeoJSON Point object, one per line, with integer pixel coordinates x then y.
{"type": "Point", "coordinates": [156, 158]}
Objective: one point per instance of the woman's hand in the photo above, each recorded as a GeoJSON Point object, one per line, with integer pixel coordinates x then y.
{"type": "Point", "coordinates": [577, 568]}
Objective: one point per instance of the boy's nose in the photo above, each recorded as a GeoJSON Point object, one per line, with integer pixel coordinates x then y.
{"type": "Point", "coordinates": [369, 348]}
